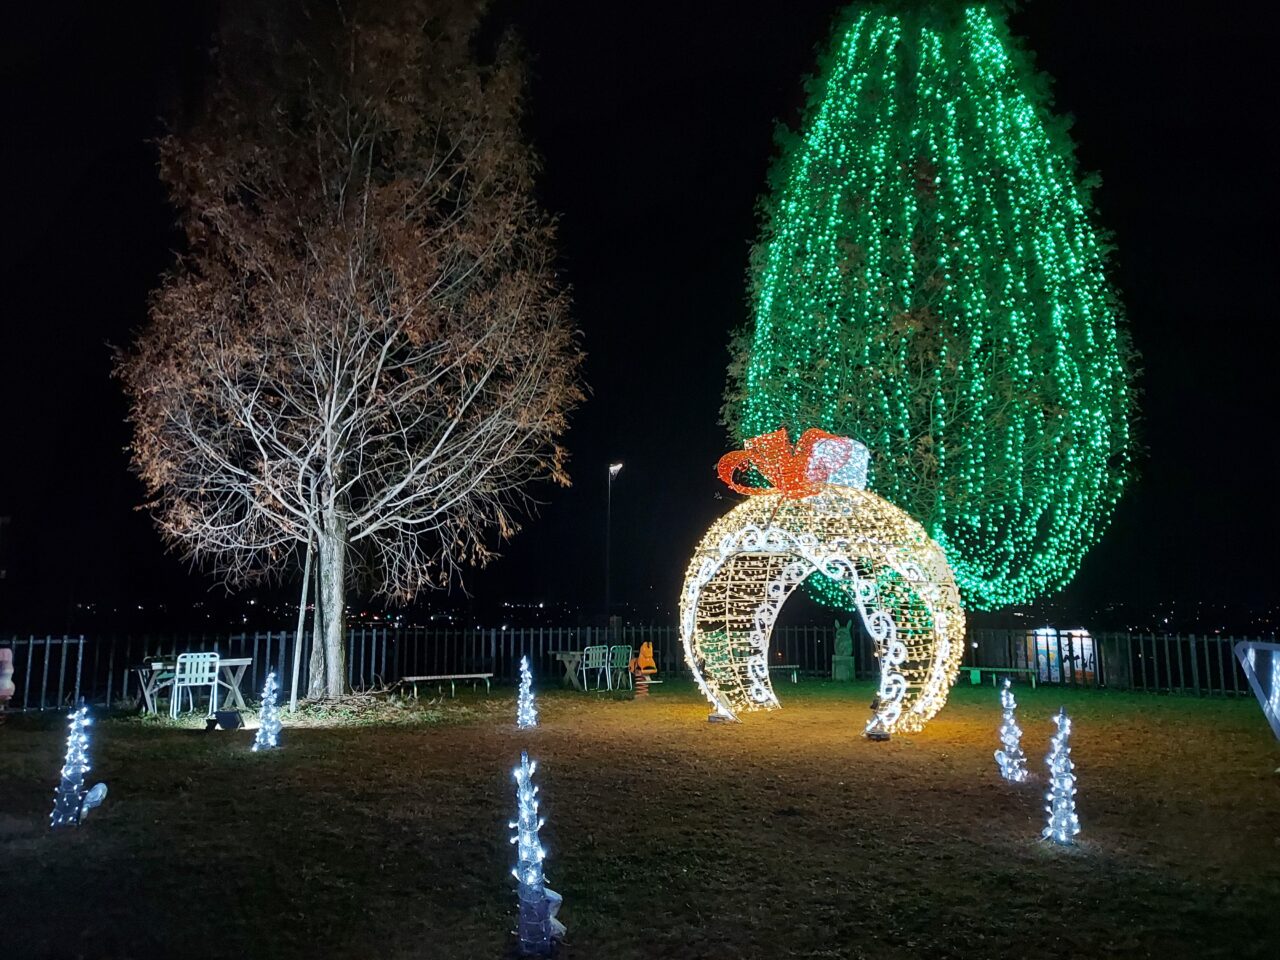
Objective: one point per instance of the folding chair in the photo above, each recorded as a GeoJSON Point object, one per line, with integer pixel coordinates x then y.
{"type": "Point", "coordinates": [194, 670]}
{"type": "Point", "coordinates": [596, 658]}
{"type": "Point", "coordinates": [620, 664]}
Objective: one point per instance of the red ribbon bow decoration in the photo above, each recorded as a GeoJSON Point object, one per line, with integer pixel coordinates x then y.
{"type": "Point", "coordinates": [794, 474]}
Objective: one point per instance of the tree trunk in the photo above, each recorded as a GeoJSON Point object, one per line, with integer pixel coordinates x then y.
{"type": "Point", "coordinates": [297, 639]}
{"type": "Point", "coordinates": [315, 672]}
{"type": "Point", "coordinates": [333, 556]}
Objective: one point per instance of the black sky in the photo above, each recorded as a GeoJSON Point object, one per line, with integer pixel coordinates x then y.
{"type": "Point", "coordinates": [655, 123]}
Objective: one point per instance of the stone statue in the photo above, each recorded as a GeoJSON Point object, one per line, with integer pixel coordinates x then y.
{"type": "Point", "coordinates": [842, 659]}
{"type": "Point", "coordinates": [844, 639]}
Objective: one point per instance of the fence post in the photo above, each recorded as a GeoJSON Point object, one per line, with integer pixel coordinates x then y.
{"type": "Point", "coordinates": [93, 670]}
{"type": "Point", "coordinates": [1222, 669]}
{"type": "Point", "coordinates": [79, 661]}
{"type": "Point", "coordinates": [44, 676]}
{"type": "Point", "coordinates": [1233, 665]}
{"type": "Point", "coordinates": [1182, 666]}
{"type": "Point", "coordinates": [26, 683]}
{"type": "Point", "coordinates": [1195, 666]}
{"type": "Point", "coordinates": [1207, 646]}
{"type": "Point", "coordinates": [124, 680]}
{"type": "Point", "coordinates": [111, 670]}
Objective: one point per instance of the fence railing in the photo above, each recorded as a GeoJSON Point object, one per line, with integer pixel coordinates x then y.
{"type": "Point", "coordinates": [33, 660]}
{"type": "Point", "coordinates": [53, 672]}
{"type": "Point", "coordinates": [1155, 662]}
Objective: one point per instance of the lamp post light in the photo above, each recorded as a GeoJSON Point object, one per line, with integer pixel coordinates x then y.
{"type": "Point", "coordinates": [614, 470]}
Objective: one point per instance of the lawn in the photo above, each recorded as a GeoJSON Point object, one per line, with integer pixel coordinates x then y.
{"type": "Point", "coordinates": [785, 836]}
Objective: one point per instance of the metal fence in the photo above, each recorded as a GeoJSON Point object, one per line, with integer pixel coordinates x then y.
{"type": "Point", "coordinates": [1155, 662]}
{"type": "Point", "coordinates": [53, 672]}
{"type": "Point", "coordinates": [33, 660]}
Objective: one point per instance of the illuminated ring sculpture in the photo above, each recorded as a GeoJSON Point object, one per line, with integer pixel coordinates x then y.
{"type": "Point", "coordinates": [896, 577]}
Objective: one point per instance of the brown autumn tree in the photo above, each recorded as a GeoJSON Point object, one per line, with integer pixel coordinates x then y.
{"type": "Point", "coordinates": [364, 346]}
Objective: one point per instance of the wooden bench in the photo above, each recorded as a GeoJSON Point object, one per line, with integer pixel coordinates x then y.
{"type": "Point", "coordinates": [975, 674]}
{"type": "Point", "coordinates": [453, 678]}
{"type": "Point", "coordinates": [793, 667]}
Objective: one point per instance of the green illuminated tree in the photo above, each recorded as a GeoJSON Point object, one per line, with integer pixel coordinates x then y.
{"type": "Point", "coordinates": [929, 281]}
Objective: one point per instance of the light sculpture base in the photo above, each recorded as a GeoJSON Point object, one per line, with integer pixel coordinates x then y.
{"type": "Point", "coordinates": [875, 730]}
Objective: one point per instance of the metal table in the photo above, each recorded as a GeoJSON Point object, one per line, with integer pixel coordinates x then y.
{"type": "Point", "coordinates": [230, 674]}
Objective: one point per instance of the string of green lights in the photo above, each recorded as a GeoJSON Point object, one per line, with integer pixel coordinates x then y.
{"type": "Point", "coordinates": [929, 282]}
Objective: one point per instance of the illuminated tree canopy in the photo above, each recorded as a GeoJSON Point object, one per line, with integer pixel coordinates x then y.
{"type": "Point", "coordinates": [929, 281]}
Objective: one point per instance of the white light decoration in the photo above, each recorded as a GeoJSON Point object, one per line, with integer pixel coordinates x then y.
{"type": "Point", "coordinates": [92, 799]}
{"type": "Point", "coordinates": [526, 711]}
{"type": "Point", "coordinates": [853, 470]}
{"type": "Point", "coordinates": [268, 736]}
{"type": "Point", "coordinates": [809, 521]}
{"type": "Point", "coordinates": [71, 803]}
{"type": "Point", "coordinates": [1063, 822]}
{"type": "Point", "coordinates": [1012, 761]}
{"type": "Point", "coordinates": [539, 904]}
{"type": "Point", "coordinates": [1261, 665]}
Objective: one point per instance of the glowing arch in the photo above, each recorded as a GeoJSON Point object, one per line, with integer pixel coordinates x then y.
{"type": "Point", "coordinates": [751, 560]}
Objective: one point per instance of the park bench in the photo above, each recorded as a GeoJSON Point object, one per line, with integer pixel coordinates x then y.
{"type": "Point", "coordinates": [793, 667]}
{"type": "Point", "coordinates": [975, 674]}
{"type": "Point", "coordinates": [452, 678]}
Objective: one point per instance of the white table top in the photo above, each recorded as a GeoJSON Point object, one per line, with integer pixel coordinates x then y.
{"type": "Point", "coordinates": [224, 662]}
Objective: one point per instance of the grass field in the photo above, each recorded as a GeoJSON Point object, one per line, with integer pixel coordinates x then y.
{"type": "Point", "coordinates": [785, 836]}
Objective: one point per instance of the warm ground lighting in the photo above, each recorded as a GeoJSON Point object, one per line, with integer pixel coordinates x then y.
{"type": "Point", "coordinates": [753, 841]}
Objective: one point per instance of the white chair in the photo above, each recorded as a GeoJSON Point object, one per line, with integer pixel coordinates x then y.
{"type": "Point", "coordinates": [596, 658]}
{"type": "Point", "coordinates": [194, 670]}
{"type": "Point", "coordinates": [620, 665]}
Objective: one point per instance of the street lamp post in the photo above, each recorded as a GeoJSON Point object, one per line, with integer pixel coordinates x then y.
{"type": "Point", "coordinates": [614, 470]}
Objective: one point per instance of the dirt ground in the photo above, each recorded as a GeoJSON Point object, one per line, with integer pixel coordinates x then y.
{"type": "Point", "coordinates": [785, 836]}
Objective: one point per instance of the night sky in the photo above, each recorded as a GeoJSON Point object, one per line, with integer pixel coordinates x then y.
{"type": "Point", "coordinates": [655, 124]}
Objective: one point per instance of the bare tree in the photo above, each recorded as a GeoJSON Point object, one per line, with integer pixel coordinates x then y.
{"type": "Point", "coordinates": [365, 347]}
